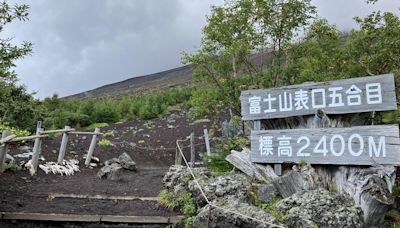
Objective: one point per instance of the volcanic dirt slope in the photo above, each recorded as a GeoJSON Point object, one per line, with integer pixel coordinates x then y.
{"type": "Point", "coordinates": [151, 144]}
{"type": "Point", "coordinates": [180, 76]}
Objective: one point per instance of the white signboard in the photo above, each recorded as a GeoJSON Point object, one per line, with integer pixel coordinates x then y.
{"type": "Point", "coordinates": [363, 145]}
{"type": "Point", "coordinates": [364, 94]}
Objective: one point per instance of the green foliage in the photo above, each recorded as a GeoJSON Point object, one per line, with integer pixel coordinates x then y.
{"type": "Point", "coordinates": [14, 131]}
{"type": "Point", "coordinates": [272, 209]}
{"type": "Point", "coordinates": [392, 218]}
{"type": "Point", "coordinates": [216, 162]}
{"type": "Point", "coordinates": [17, 107]}
{"type": "Point", "coordinates": [76, 113]}
{"type": "Point", "coordinates": [12, 166]}
{"type": "Point", "coordinates": [96, 125]}
{"type": "Point", "coordinates": [233, 32]}
{"type": "Point", "coordinates": [104, 143]}
{"type": "Point", "coordinates": [392, 117]}
{"type": "Point", "coordinates": [109, 134]}
{"type": "Point", "coordinates": [302, 163]}
{"type": "Point", "coordinates": [182, 201]}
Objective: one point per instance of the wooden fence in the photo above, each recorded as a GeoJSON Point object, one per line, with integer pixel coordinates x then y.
{"type": "Point", "coordinates": [8, 138]}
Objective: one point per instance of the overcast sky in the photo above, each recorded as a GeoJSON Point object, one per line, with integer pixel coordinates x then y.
{"type": "Point", "coordinates": [83, 44]}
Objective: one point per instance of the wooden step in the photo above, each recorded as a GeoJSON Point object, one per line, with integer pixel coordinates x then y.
{"type": "Point", "coordinates": [91, 218]}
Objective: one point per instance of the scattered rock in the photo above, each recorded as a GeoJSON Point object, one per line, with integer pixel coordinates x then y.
{"type": "Point", "coordinates": [54, 151]}
{"type": "Point", "coordinates": [110, 161]}
{"type": "Point", "coordinates": [126, 162]}
{"type": "Point", "coordinates": [73, 152]}
{"type": "Point", "coordinates": [84, 137]}
{"type": "Point", "coordinates": [110, 172]}
{"type": "Point", "coordinates": [322, 208]}
{"type": "Point", "coordinates": [216, 217]}
{"type": "Point", "coordinates": [93, 165]}
{"type": "Point", "coordinates": [265, 192]}
{"type": "Point", "coordinates": [9, 158]}
{"type": "Point", "coordinates": [24, 148]}
{"type": "Point", "coordinates": [92, 159]}
{"type": "Point", "coordinates": [141, 141]}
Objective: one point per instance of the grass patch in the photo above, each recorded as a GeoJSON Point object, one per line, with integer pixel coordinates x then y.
{"type": "Point", "coordinates": [96, 125]}
{"type": "Point", "coordinates": [14, 131]}
{"type": "Point", "coordinates": [104, 143]}
{"type": "Point", "coordinates": [272, 209]}
{"type": "Point", "coordinates": [12, 166]}
{"type": "Point", "coordinates": [183, 201]}
{"type": "Point", "coordinates": [216, 163]}
{"type": "Point", "coordinates": [109, 134]}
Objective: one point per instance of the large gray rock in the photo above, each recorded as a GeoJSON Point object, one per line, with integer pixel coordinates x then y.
{"type": "Point", "coordinates": [230, 217]}
{"type": "Point", "coordinates": [322, 208]}
{"type": "Point", "coordinates": [126, 162]}
{"type": "Point", "coordinates": [111, 172]}
{"type": "Point", "coordinates": [265, 192]}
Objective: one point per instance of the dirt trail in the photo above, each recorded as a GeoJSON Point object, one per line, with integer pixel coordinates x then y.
{"type": "Point", "coordinates": [151, 144]}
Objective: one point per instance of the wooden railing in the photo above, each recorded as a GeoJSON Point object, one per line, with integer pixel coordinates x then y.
{"type": "Point", "coordinates": [40, 133]}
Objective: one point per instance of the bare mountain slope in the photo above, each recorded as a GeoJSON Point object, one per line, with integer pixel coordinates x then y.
{"type": "Point", "coordinates": [165, 79]}
{"type": "Point", "coordinates": [180, 76]}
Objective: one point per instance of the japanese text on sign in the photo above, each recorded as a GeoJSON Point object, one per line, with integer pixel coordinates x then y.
{"type": "Point", "coordinates": [343, 96]}
{"type": "Point", "coordinates": [363, 145]}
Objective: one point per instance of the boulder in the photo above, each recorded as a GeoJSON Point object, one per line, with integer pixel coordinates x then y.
{"type": "Point", "coordinates": [230, 216]}
{"type": "Point", "coordinates": [320, 208]}
{"type": "Point", "coordinates": [265, 192]}
{"type": "Point", "coordinates": [110, 172]}
{"type": "Point", "coordinates": [126, 162]}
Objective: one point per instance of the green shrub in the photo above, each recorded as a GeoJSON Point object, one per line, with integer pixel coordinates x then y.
{"type": "Point", "coordinates": [14, 131]}
{"type": "Point", "coordinates": [106, 113]}
{"type": "Point", "coordinates": [216, 162]}
{"type": "Point", "coordinates": [96, 125]}
{"type": "Point", "coordinates": [182, 201]}
{"type": "Point", "coordinates": [104, 143]}
{"type": "Point", "coordinates": [272, 209]}
{"type": "Point", "coordinates": [12, 166]}
{"type": "Point", "coordinates": [109, 134]}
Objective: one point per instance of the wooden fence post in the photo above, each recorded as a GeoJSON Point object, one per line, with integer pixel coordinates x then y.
{"type": "Point", "coordinates": [92, 146]}
{"type": "Point", "coordinates": [36, 147]}
{"type": "Point", "coordinates": [3, 151]}
{"type": "Point", "coordinates": [207, 140]}
{"type": "Point", "coordinates": [178, 157]}
{"type": "Point", "coordinates": [63, 147]}
{"type": "Point", "coordinates": [192, 150]}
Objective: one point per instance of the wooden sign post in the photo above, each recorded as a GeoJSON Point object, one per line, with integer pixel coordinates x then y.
{"type": "Point", "coordinates": [365, 94]}
{"type": "Point", "coordinates": [364, 145]}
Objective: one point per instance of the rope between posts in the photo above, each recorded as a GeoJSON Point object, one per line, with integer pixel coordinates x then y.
{"type": "Point", "coordinates": [208, 201]}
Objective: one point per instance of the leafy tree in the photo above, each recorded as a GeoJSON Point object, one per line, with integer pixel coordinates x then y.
{"type": "Point", "coordinates": [17, 107]}
{"type": "Point", "coordinates": [233, 33]}
{"type": "Point", "coordinates": [9, 52]}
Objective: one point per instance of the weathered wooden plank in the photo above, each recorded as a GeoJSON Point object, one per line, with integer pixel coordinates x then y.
{"type": "Point", "coordinates": [91, 218]}
{"type": "Point", "coordinates": [92, 146]}
{"type": "Point", "coordinates": [6, 139]}
{"type": "Point", "coordinates": [63, 146]}
{"type": "Point", "coordinates": [57, 131]}
{"type": "Point", "coordinates": [36, 149]}
{"type": "Point", "coordinates": [3, 150]}
{"type": "Point", "coordinates": [84, 133]}
{"type": "Point", "coordinates": [192, 150]}
{"type": "Point", "coordinates": [25, 138]}
{"type": "Point", "coordinates": [241, 161]}
{"type": "Point", "coordinates": [207, 141]}
{"type": "Point", "coordinates": [100, 197]}
{"type": "Point", "coordinates": [362, 145]}
{"type": "Point", "coordinates": [364, 94]}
